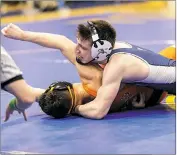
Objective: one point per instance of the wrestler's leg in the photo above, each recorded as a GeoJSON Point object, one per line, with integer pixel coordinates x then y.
{"type": "Point", "coordinates": [169, 52]}
{"type": "Point", "coordinates": [171, 101]}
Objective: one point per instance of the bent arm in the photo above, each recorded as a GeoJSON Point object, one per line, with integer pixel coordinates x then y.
{"type": "Point", "coordinates": [100, 106]}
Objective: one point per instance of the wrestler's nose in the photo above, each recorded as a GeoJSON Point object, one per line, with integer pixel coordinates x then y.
{"type": "Point", "coordinates": [77, 50]}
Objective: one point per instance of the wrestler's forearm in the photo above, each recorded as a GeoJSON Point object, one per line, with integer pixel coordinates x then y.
{"type": "Point", "coordinates": [99, 107]}
{"type": "Point", "coordinates": [88, 110]}
{"type": "Point", "coordinates": [46, 39]}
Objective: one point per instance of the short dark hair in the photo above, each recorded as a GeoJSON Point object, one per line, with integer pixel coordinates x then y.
{"type": "Point", "coordinates": [56, 103]}
{"type": "Point", "coordinates": [104, 29]}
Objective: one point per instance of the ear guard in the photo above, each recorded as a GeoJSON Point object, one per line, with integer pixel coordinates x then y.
{"type": "Point", "coordinates": [101, 49]}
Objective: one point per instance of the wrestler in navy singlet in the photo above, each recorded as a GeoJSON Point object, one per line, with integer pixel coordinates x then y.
{"type": "Point", "coordinates": [162, 74]}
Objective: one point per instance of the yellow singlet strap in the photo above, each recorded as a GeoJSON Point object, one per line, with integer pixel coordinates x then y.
{"type": "Point", "coordinates": [72, 98]}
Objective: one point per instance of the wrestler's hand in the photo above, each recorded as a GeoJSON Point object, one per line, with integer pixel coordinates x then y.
{"type": "Point", "coordinates": [13, 31]}
{"type": "Point", "coordinates": [141, 103]}
{"type": "Point", "coordinates": [11, 108]}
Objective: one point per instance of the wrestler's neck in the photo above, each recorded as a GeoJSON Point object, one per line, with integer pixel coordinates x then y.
{"type": "Point", "coordinates": [77, 93]}
{"type": "Point", "coordinates": [104, 62]}
{"type": "Point", "coordinates": [80, 94]}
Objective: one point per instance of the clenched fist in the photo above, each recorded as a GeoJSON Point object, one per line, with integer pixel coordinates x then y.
{"type": "Point", "coordinates": [13, 31]}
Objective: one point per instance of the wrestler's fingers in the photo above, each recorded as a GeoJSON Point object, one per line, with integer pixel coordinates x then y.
{"type": "Point", "coordinates": [3, 31]}
{"type": "Point", "coordinates": [142, 97]}
{"type": "Point", "coordinates": [24, 115]}
{"type": "Point", "coordinates": [134, 99]}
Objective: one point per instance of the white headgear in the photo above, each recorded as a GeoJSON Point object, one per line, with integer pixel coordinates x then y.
{"type": "Point", "coordinates": [101, 48]}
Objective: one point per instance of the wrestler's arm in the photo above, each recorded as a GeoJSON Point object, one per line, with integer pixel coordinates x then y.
{"type": "Point", "coordinates": [65, 45]}
{"type": "Point", "coordinates": [100, 106]}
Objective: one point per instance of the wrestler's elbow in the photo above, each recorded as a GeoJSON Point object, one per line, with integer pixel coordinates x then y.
{"type": "Point", "coordinates": [100, 113]}
{"type": "Point", "coordinates": [99, 116]}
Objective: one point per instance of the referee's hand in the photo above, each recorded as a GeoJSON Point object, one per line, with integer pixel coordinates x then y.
{"type": "Point", "coordinates": [11, 108]}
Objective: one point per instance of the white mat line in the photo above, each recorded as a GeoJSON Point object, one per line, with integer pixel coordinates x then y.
{"type": "Point", "coordinates": [17, 152]}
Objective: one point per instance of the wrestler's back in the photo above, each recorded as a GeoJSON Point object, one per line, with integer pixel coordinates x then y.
{"type": "Point", "coordinates": [159, 69]}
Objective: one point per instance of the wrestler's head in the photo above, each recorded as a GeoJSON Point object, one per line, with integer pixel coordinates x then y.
{"type": "Point", "coordinates": [58, 99]}
{"type": "Point", "coordinates": [95, 40]}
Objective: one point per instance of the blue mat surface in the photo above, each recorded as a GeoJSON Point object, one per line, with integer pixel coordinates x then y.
{"type": "Point", "coordinates": [148, 131]}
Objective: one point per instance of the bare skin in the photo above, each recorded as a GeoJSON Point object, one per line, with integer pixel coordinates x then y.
{"type": "Point", "coordinates": [104, 81]}
{"type": "Point", "coordinates": [82, 97]}
{"type": "Point", "coordinates": [25, 95]}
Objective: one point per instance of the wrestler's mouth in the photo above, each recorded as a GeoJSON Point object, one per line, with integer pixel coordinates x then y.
{"type": "Point", "coordinates": [79, 57]}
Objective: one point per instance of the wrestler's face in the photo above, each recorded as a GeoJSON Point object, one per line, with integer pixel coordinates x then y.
{"type": "Point", "coordinates": [83, 50]}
